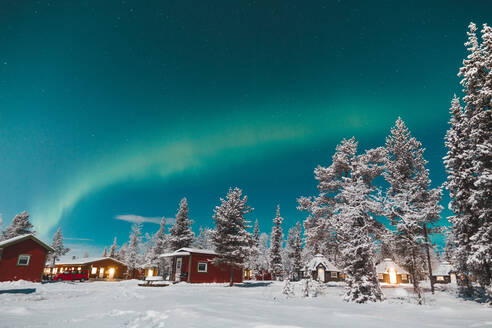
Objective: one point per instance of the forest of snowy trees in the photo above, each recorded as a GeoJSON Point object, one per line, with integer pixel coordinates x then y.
{"type": "Point", "coordinates": [370, 205]}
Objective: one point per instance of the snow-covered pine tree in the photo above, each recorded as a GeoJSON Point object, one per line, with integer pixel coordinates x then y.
{"type": "Point", "coordinates": [57, 245]}
{"type": "Point", "coordinates": [315, 228]}
{"type": "Point", "coordinates": [348, 200]}
{"type": "Point", "coordinates": [113, 249]}
{"type": "Point", "coordinates": [411, 205]}
{"type": "Point", "coordinates": [479, 112]}
{"type": "Point", "coordinates": [468, 162]}
{"type": "Point", "coordinates": [262, 262]}
{"type": "Point", "coordinates": [20, 225]}
{"type": "Point", "coordinates": [121, 253]}
{"type": "Point", "coordinates": [296, 252]}
{"type": "Point", "coordinates": [285, 252]}
{"type": "Point", "coordinates": [276, 241]}
{"type": "Point", "coordinates": [458, 184]}
{"type": "Point", "coordinates": [132, 256]}
{"type": "Point", "coordinates": [160, 246]}
{"type": "Point", "coordinates": [231, 240]}
{"type": "Point", "coordinates": [181, 234]}
{"type": "Point", "coordinates": [105, 252]}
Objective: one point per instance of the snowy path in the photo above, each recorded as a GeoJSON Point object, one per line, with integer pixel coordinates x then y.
{"type": "Point", "coordinates": [124, 304]}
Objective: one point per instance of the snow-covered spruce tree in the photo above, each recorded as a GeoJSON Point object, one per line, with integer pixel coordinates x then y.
{"type": "Point", "coordinates": [468, 162]}
{"type": "Point", "coordinates": [113, 249]}
{"type": "Point", "coordinates": [159, 247]}
{"type": "Point", "coordinates": [276, 241]}
{"type": "Point", "coordinates": [231, 240]}
{"type": "Point", "coordinates": [411, 205]}
{"type": "Point", "coordinates": [121, 253]}
{"type": "Point", "coordinates": [293, 250]}
{"type": "Point", "coordinates": [132, 256]}
{"type": "Point", "coordinates": [262, 262]}
{"type": "Point", "coordinates": [459, 183]}
{"type": "Point", "coordinates": [315, 227]}
{"type": "Point", "coordinates": [57, 245]}
{"type": "Point", "coordinates": [105, 252]}
{"type": "Point", "coordinates": [285, 251]}
{"type": "Point", "coordinates": [20, 225]}
{"type": "Point", "coordinates": [181, 234]}
{"type": "Point", "coordinates": [349, 199]}
{"type": "Point", "coordinates": [479, 112]}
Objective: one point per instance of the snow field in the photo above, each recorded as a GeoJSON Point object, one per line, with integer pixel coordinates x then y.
{"type": "Point", "coordinates": [252, 305]}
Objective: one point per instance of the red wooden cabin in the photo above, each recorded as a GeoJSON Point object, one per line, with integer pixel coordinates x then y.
{"type": "Point", "coordinates": [195, 266]}
{"type": "Point", "coordinates": [22, 258]}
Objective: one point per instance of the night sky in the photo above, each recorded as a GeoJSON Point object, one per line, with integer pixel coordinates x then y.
{"type": "Point", "coordinates": [124, 107]}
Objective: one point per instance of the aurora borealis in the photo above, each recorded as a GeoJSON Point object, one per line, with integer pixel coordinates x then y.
{"type": "Point", "coordinates": [124, 107]}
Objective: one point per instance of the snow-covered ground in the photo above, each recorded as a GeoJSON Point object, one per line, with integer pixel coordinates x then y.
{"type": "Point", "coordinates": [255, 304]}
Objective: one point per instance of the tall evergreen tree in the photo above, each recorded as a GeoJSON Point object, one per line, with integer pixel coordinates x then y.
{"type": "Point", "coordinates": [469, 162]}
{"type": "Point", "coordinates": [262, 263]}
{"type": "Point", "coordinates": [294, 251]}
{"type": "Point", "coordinates": [348, 201]}
{"type": "Point", "coordinates": [315, 225]}
{"type": "Point", "coordinates": [231, 240]}
{"type": "Point", "coordinates": [132, 256]}
{"type": "Point", "coordinates": [20, 225]}
{"type": "Point", "coordinates": [105, 252]}
{"type": "Point", "coordinates": [59, 248]}
{"type": "Point", "coordinates": [113, 249]}
{"type": "Point", "coordinates": [181, 234]}
{"type": "Point", "coordinates": [411, 204]}
{"type": "Point", "coordinates": [160, 246]}
{"type": "Point", "coordinates": [276, 240]}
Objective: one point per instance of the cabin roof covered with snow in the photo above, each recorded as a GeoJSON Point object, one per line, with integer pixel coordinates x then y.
{"type": "Point", "coordinates": [187, 251]}
{"type": "Point", "coordinates": [320, 259]}
{"type": "Point", "coordinates": [87, 260]}
{"type": "Point", "coordinates": [443, 269]}
{"type": "Point", "coordinates": [386, 264]}
{"type": "Point", "coordinates": [20, 238]}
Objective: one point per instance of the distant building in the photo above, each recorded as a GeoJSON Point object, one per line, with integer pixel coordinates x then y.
{"type": "Point", "coordinates": [98, 268]}
{"type": "Point", "coordinates": [195, 266]}
{"type": "Point", "coordinates": [443, 274]}
{"type": "Point", "coordinates": [320, 269]}
{"type": "Point", "coordinates": [23, 258]}
{"type": "Point", "coordinates": [391, 273]}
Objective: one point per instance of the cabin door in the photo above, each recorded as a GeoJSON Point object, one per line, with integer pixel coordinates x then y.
{"type": "Point", "coordinates": [177, 275]}
{"type": "Point", "coordinates": [453, 278]}
{"type": "Point", "coordinates": [392, 274]}
{"type": "Point", "coordinates": [321, 274]}
{"type": "Point", "coordinates": [101, 272]}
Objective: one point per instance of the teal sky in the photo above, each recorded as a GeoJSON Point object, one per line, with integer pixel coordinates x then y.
{"type": "Point", "coordinates": [110, 108]}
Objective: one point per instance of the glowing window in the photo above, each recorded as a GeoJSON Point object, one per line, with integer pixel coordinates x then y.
{"type": "Point", "coordinates": [404, 277]}
{"type": "Point", "coordinates": [440, 278]}
{"type": "Point", "coordinates": [94, 270]}
{"type": "Point", "coordinates": [79, 268]}
{"type": "Point", "coordinates": [150, 272]}
{"type": "Point", "coordinates": [23, 260]}
{"type": "Point", "coordinates": [55, 270]}
{"type": "Point", "coordinates": [380, 276]}
{"type": "Point", "coordinates": [334, 274]}
{"type": "Point", "coordinates": [202, 267]}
